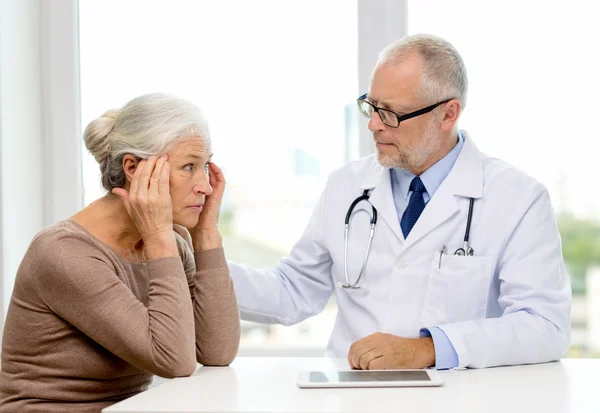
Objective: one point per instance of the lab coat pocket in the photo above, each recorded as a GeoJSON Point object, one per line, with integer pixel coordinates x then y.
{"type": "Point", "coordinates": [458, 289]}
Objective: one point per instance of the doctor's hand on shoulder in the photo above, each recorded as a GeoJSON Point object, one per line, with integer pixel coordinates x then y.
{"type": "Point", "coordinates": [381, 351]}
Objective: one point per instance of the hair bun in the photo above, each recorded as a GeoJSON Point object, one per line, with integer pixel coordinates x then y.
{"type": "Point", "coordinates": [96, 135]}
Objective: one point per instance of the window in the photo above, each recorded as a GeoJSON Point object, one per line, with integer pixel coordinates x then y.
{"type": "Point", "coordinates": [532, 98]}
{"type": "Point", "coordinates": [279, 108]}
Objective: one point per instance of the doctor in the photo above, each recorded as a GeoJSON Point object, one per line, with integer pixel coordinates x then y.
{"type": "Point", "coordinates": [465, 266]}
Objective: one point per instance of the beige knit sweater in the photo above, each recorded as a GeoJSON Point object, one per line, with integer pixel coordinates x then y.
{"type": "Point", "coordinates": [86, 328]}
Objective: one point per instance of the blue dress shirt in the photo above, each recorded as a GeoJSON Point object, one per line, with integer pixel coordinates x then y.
{"type": "Point", "coordinates": [432, 178]}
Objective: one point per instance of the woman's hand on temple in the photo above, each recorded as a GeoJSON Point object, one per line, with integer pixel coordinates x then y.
{"type": "Point", "coordinates": [206, 235]}
{"type": "Point", "coordinates": [148, 203]}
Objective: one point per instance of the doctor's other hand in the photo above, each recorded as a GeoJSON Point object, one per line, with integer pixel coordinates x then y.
{"type": "Point", "coordinates": [206, 235]}
{"type": "Point", "coordinates": [381, 351]}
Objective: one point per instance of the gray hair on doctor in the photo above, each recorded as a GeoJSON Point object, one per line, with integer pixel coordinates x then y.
{"type": "Point", "coordinates": [444, 75]}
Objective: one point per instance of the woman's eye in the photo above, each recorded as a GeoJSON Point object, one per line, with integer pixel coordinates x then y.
{"type": "Point", "coordinates": [189, 167]}
{"type": "Point", "coordinates": [207, 168]}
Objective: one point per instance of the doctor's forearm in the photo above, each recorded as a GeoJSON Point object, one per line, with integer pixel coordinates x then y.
{"type": "Point", "coordinates": [516, 338]}
{"type": "Point", "coordinates": [427, 352]}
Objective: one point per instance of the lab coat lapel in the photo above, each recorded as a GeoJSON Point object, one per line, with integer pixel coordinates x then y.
{"type": "Point", "coordinates": [439, 209]}
{"type": "Point", "coordinates": [383, 200]}
{"type": "Point", "coordinates": [465, 179]}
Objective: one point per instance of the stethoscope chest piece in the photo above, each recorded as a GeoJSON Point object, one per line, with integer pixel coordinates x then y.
{"type": "Point", "coordinates": [466, 250]}
{"type": "Point", "coordinates": [461, 252]}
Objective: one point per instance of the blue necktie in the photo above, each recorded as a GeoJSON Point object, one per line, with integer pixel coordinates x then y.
{"type": "Point", "coordinates": [416, 205]}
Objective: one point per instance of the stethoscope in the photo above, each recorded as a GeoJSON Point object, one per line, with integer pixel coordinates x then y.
{"type": "Point", "coordinates": [466, 249]}
{"type": "Point", "coordinates": [363, 197]}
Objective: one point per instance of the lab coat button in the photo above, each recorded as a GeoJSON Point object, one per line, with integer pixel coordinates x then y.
{"type": "Point", "coordinates": [401, 265]}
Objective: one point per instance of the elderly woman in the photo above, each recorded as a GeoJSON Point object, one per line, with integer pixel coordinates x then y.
{"type": "Point", "coordinates": [112, 296]}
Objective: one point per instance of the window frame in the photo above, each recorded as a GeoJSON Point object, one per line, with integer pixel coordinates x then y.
{"type": "Point", "coordinates": [55, 106]}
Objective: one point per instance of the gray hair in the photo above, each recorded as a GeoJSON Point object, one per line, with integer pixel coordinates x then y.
{"type": "Point", "coordinates": [146, 126]}
{"type": "Point", "coordinates": [444, 75]}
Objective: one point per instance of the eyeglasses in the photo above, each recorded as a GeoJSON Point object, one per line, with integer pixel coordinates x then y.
{"type": "Point", "coordinates": [388, 117]}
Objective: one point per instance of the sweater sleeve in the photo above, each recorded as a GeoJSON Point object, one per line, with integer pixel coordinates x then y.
{"type": "Point", "coordinates": [80, 284]}
{"type": "Point", "coordinates": [216, 313]}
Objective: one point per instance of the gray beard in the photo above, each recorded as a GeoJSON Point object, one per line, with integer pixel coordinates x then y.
{"type": "Point", "coordinates": [413, 159]}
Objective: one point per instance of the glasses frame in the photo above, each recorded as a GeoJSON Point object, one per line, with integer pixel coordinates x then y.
{"type": "Point", "coordinates": [363, 99]}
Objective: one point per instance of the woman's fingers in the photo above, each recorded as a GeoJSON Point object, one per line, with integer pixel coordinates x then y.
{"type": "Point", "coordinates": [148, 202]}
{"type": "Point", "coordinates": [163, 187]}
{"type": "Point", "coordinates": [216, 174]}
{"type": "Point", "coordinates": [153, 188]}
{"type": "Point", "coordinates": [210, 214]}
{"type": "Point", "coordinates": [121, 193]}
{"type": "Point", "coordinates": [136, 174]}
{"type": "Point", "coordinates": [216, 180]}
{"type": "Point", "coordinates": [144, 178]}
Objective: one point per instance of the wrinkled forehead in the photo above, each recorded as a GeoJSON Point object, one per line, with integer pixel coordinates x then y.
{"type": "Point", "coordinates": [196, 146]}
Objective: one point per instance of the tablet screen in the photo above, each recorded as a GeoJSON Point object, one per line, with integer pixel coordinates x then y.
{"type": "Point", "coordinates": [362, 376]}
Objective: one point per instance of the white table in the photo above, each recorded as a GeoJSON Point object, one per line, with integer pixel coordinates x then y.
{"type": "Point", "coordinates": [256, 384]}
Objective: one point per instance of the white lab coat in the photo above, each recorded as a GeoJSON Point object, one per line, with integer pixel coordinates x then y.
{"type": "Point", "coordinates": [508, 305]}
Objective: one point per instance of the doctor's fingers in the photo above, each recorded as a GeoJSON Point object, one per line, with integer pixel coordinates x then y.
{"type": "Point", "coordinates": [350, 354]}
{"type": "Point", "coordinates": [358, 347]}
{"type": "Point", "coordinates": [359, 352]}
{"type": "Point", "coordinates": [380, 363]}
{"type": "Point", "coordinates": [359, 343]}
{"type": "Point", "coordinates": [366, 359]}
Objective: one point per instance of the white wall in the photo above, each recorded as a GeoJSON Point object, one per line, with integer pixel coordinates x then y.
{"type": "Point", "coordinates": [21, 166]}
{"type": "Point", "coordinates": [40, 157]}
{"type": "Point", "coordinates": [61, 109]}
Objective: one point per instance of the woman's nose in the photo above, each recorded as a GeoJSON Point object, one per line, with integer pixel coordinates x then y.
{"type": "Point", "coordinates": [203, 187]}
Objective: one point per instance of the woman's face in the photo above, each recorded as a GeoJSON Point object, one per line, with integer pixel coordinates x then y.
{"type": "Point", "coordinates": [188, 180]}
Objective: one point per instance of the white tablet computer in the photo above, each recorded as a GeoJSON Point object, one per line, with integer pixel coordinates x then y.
{"type": "Point", "coordinates": [369, 378]}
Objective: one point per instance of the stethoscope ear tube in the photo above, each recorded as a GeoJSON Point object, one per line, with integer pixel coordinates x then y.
{"type": "Point", "coordinates": [470, 216]}
{"type": "Point", "coordinates": [373, 220]}
{"type": "Point", "coordinates": [363, 197]}
{"type": "Point", "coordinates": [466, 250]}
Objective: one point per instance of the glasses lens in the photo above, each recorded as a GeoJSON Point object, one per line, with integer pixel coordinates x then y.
{"type": "Point", "coordinates": [389, 118]}
{"type": "Point", "coordinates": [365, 108]}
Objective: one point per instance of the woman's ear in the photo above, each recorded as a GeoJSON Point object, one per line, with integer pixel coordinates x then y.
{"type": "Point", "coordinates": [130, 164]}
